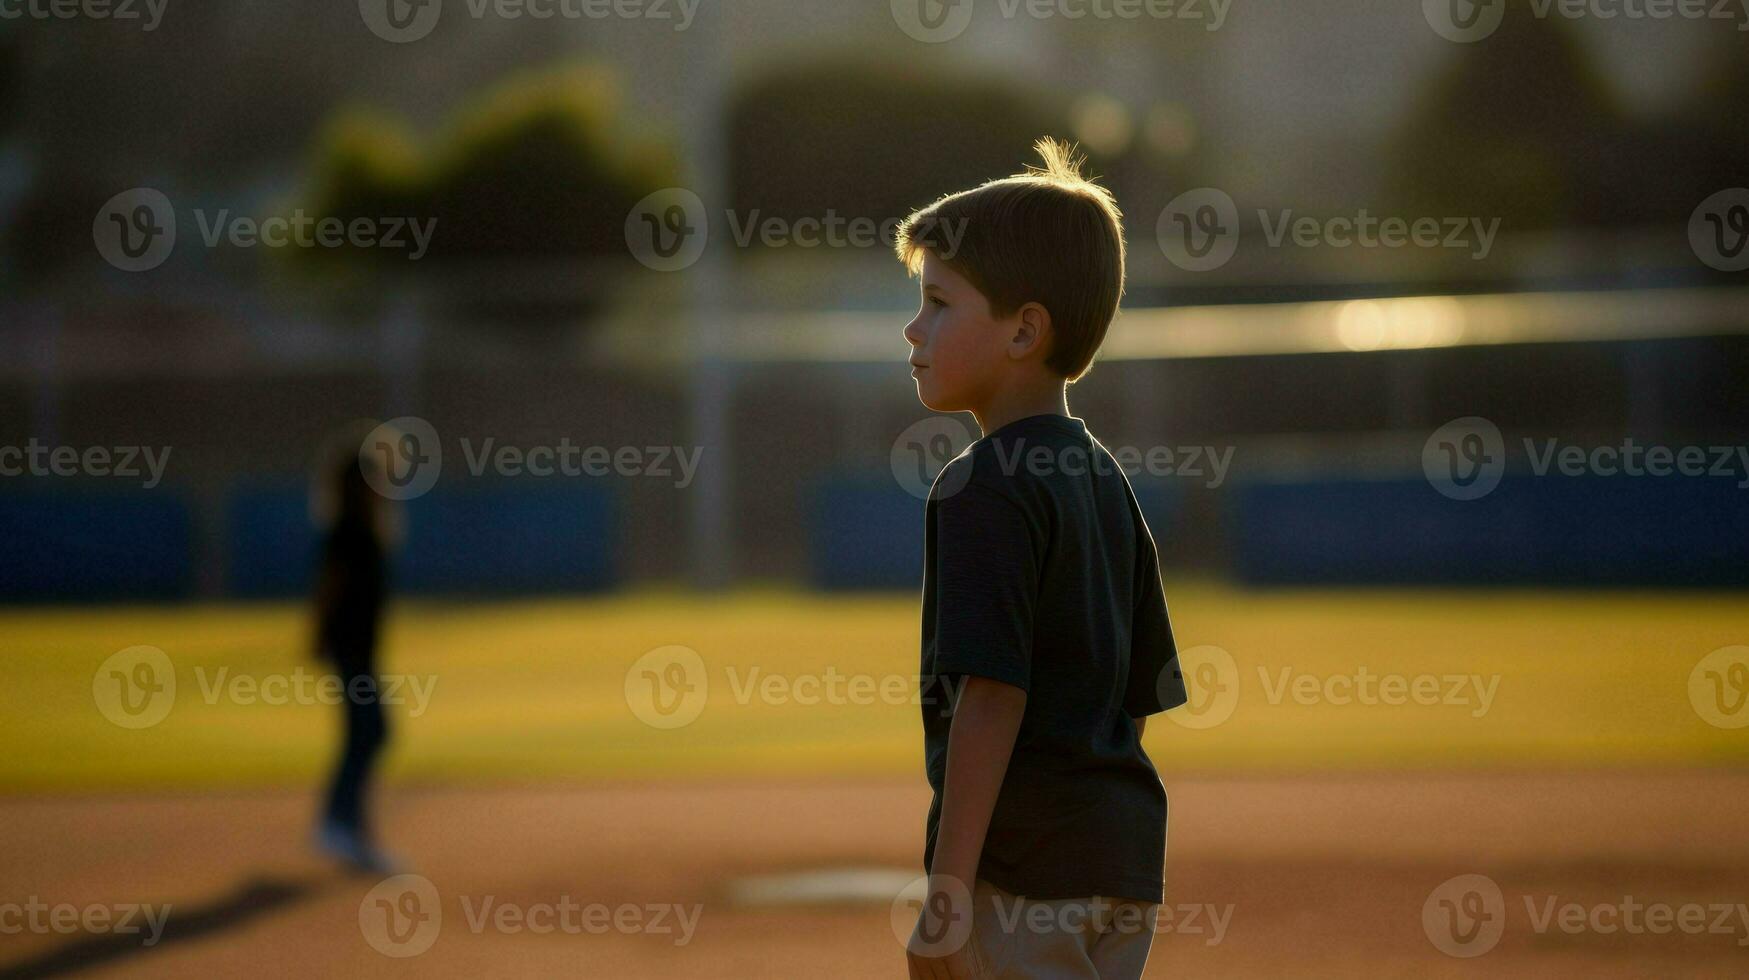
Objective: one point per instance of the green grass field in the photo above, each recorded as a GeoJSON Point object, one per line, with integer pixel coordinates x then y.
{"type": "Point", "coordinates": [538, 689]}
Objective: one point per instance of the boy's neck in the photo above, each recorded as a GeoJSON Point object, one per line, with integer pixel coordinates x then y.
{"type": "Point", "coordinates": [1011, 406]}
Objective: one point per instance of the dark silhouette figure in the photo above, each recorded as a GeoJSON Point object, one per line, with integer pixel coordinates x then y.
{"type": "Point", "coordinates": [351, 589]}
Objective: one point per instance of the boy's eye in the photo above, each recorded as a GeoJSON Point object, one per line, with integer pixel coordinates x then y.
{"type": "Point", "coordinates": [936, 300]}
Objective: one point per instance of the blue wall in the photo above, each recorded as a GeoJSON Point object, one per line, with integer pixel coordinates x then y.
{"type": "Point", "coordinates": [1554, 530]}
{"type": "Point", "coordinates": [865, 532]}
{"type": "Point", "coordinates": [144, 545]}
{"type": "Point", "coordinates": [94, 545]}
{"type": "Point", "coordinates": [474, 541]}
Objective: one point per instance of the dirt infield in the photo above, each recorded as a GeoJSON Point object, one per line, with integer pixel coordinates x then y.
{"type": "Point", "coordinates": [1305, 876]}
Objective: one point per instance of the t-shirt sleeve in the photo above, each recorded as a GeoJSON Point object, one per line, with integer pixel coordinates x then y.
{"type": "Point", "coordinates": [1156, 683]}
{"type": "Point", "coordinates": [986, 581]}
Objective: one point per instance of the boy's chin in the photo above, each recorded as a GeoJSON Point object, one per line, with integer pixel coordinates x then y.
{"type": "Point", "coordinates": [934, 401]}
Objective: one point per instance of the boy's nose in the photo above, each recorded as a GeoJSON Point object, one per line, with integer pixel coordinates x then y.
{"type": "Point", "coordinates": [913, 336]}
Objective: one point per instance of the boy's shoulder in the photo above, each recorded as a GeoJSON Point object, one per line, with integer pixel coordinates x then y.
{"type": "Point", "coordinates": [1020, 462]}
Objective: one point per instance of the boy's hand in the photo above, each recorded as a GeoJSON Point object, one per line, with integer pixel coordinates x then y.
{"type": "Point", "coordinates": [940, 947]}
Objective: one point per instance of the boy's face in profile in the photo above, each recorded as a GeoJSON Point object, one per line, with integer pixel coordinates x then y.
{"type": "Point", "coordinates": [958, 350]}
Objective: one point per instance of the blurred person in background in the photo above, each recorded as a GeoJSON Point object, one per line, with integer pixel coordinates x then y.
{"type": "Point", "coordinates": [351, 590]}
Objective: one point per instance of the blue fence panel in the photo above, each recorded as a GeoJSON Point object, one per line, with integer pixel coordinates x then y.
{"type": "Point", "coordinates": [1553, 530]}
{"type": "Point", "coordinates": [271, 546]}
{"type": "Point", "coordinates": [85, 545]}
{"type": "Point", "coordinates": [496, 540]}
{"type": "Point", "coordinates": [504, 540]}
{"type": "Point", "coordinates": [865, 532]}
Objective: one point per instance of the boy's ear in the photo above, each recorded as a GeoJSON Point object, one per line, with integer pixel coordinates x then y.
{"type": "Point", "coordinates": [1032, 332]}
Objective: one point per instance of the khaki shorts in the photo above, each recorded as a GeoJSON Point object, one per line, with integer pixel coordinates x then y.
{"type": "Point", "coordinates": [1083, 939]}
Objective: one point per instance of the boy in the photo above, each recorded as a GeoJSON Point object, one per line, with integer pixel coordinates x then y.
{"type": "Point", "coordinates": [1045, 638]}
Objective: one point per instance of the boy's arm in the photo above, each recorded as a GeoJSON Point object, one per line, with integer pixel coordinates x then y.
{"type": "Point", "coordinates": [986, 720]}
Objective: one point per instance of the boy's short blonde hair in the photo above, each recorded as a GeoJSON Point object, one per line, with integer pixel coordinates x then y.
{"type": "Point", "coordinates": [1046, 235]}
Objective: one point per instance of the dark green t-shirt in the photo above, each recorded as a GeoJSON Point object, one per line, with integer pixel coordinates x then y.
{"type": "Point", "coordinates": [1040, 572]}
